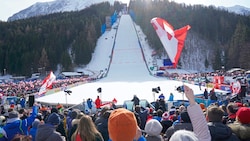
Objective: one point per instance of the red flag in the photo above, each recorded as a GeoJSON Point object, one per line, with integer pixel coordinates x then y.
{"type": "Point", "coordinates": [47, 83]}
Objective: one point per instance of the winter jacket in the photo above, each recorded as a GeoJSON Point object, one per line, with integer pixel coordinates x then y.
{"type": "Point", "coordinates": [221, 132]}
{"type": "Point", "coordinates": [16, 126]}
{"type": "Point", "coordinates": [241, 130]}
{"type": "Point", "coordinates": [102, 127]}
{"type": "Point", "coordinates": [47, 132]}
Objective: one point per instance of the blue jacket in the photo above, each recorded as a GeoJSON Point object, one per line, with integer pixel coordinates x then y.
{"type": "Point", "coordinates": [17, 126]}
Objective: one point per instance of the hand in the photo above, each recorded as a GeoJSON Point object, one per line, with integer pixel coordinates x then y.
{"type": "Point", "coordinates": [189, 93]}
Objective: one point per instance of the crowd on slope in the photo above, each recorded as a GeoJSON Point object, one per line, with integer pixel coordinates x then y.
{"type": "Point", "coordinates": [194, 122]}
{"type": "Point", "coordinates": [22, 88]}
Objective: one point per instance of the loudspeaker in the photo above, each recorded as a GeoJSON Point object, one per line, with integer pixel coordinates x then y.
{"type": "Point", "coordinates": [31, 100]}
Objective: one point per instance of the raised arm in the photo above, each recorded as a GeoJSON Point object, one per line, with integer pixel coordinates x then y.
{"type": "Point", "coordinates": [197, 117]}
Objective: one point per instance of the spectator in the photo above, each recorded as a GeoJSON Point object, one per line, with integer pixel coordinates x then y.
{"type": "Point", "coordinates": [205, 94]}
{"type": "Point", "coordinates": [153, 130]}
{"type": "Point", "coordinates": [102, 123]}
{"type": "Point", "coordinates": [143, 114]}
{"type": "Point", "coordinates": [171, 97]}
{"type": "Point", "coordinates": [218, 130]}
{"type": "Point", "coordinates": [162, 103]}
{"type": "Point", "coordinates": [89, 104]}
{"type": "Point", "coordinates": [71, 116]}
{"type": "Point", "coordinates": [201, 131]}
{"type": "Point", "coordinates": [16, 126]}
{"type": "Point", "coordinates": [165, 122]}
{"type": "Point", "coordinates": [60, 128]}
{"type": "Point", "coordinates": [213, 96]}
{"type": "Point", "coordinates": [136, 100]}
{"type": "Point", "coordinates": [74, 123]}
{"type": "Point", "coordinates": [33, 129]}
{"type": "Point", "coordinates": [158, 115]}
{"type": "Point", "coordinates": [86, 130]}
{"type": "Point", "coordinates": [98, 103]}
{"type": "Point", "coordinates": [241, 127]}
{"type": "Point", "coordinates": [183, 135]}
{"type": "Point", "coordinates": [231, 111]}
{"type": "Point", "coordinates": [122, 126]}
{"type": "Point", "coordinates": [185, 123]}
{"type": "Point", "coordinates": [47, 131]}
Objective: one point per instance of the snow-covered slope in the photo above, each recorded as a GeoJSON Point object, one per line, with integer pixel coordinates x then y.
{"type": "Point", "coordinates": [56, 6]}
{"type": "Point", "coordinates": [128, 74]}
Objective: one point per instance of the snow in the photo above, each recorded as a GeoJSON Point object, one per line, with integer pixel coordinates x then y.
{"type": "Point", "coordinates": [128, 74]}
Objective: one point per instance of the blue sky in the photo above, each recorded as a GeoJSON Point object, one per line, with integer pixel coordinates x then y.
{"type": "Point", "coordinates": [10, 7]}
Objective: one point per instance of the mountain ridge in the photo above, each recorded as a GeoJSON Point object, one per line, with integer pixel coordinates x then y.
{"type": "Point", "coordinates": [44, 8]}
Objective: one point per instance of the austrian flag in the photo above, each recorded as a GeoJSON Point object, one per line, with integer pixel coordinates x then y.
{"type": "Point", "coordinates": [47, 83]}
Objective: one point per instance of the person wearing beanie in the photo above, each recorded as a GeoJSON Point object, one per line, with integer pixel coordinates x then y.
{"type": "Point", "coordinates": [122, 126]}
{"type": "Point", "coordinates": [60, 128]}
{"type": "Point", "coordinates": [241, 127]}
{"type": "Point", "coordinates": [47, 131]}
{"type": "Point", "coordinates": [153, 130]}
{"type": "Point", "coordinates": [165, 122]}
{"type": "Point", "coordinates": [14, 125]}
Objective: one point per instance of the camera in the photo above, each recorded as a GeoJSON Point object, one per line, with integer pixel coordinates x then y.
{"type": "Point", "coordinates": [180, 89]}
{"type": "Point", "coordinates": [68, 91]}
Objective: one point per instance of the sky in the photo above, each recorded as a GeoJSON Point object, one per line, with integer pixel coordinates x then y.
{"type": "Point", "coordinates": [10, 7]}
{"type": "Point", "coordinates": [128, 74]}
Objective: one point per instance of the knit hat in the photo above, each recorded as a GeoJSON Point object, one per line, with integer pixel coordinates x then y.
{"type": "Point", "coordinates": [165, 116]}
{"type": "Point", "coordinates": [13, 114]}
{"type": "Point", "coordinates": [183, 135]}
{"type": "Point", "coordinates": [122, 125]}
{"type": "Point", "coordinates": [53, 119]}
{"type": "Point", "coordinates": [153, 127]}
{"type": "Point", "coordinates": [243, 115]}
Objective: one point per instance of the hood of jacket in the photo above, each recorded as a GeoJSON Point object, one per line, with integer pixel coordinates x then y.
{"type": "Point", "coordinates": [219, 131]}
{"type": "Point", "coordinates": [241, 130]}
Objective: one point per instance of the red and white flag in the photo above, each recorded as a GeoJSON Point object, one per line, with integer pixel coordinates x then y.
{"type": "Point", "coordinates": [47, 83]}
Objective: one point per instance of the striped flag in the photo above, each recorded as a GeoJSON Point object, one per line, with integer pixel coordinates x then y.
{"type": "Point", "coordinates": [47, 83]}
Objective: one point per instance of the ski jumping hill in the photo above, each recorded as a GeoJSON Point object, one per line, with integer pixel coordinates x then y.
{"type": "Point", "coordinates": [123, 60]}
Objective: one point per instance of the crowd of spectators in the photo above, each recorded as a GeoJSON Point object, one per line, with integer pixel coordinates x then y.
{"type": "Point", "coordinates": [193, 122]}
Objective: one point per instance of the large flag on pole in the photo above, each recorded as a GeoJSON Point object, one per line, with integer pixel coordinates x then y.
{"type": "Point", "coordinates": [47, 83]}
{"type": "Point", "coordinates": [172, 40]}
